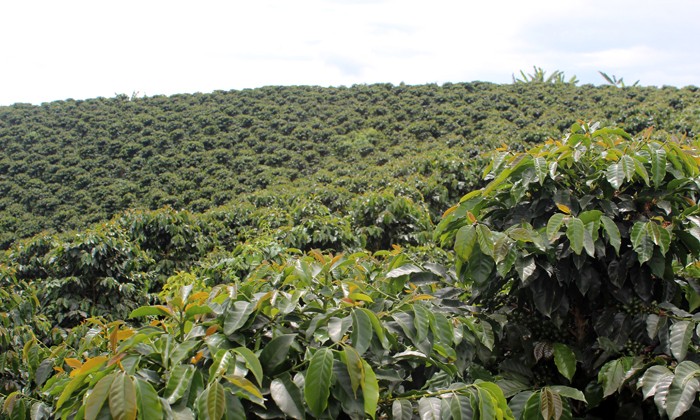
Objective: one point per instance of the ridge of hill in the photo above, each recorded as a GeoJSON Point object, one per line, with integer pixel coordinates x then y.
{"type": "Point", "coordinates": [71, 163]}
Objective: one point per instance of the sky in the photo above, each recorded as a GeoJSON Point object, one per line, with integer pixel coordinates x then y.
{"type": "Point", "coordinates": [55, 50]}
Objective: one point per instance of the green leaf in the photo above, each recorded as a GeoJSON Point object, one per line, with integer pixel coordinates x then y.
{"type": "Point", "coordinates": [246, 389]}
{"type": "Point", "coordinates": [355, 368]}
{"type": "Point", "coordinates": [550, 404]}
{"type": "Point", "coordinates": [531, 409]}
{"type": "Point", "coordinates": [612, 232]}
{"type": "Point", "coordinates": [287, 395]}
{"type": "Point", "coordinates": [487, 404]}
{"type": "Point", "coordinates": [237, 316]}
{"type": "Point", "coordinates": [402, 410]}
{"type": "Point", "coordinates": [575, 232]}
{"type": "Point", "coordinates": [275, 352]}
{"type": "Point", "coordinates": [565, 360]}
{"type": "Point", "coordinates": [251, 362]}
{"type": "Point", "coordinates": [361, 334]}
{"type": "Point", "coordinates": [148, 403]}
{"type": "Point", "coordinates": [234, 408]}
{"type": "Point", "coordinates": [658, 164]}
{"type": "Point", "coordinates": [554, 224]}
{"type": "Point", "coordinates": [197, 310]}
{"type": "Point", "coordinates": [376, 326]}
{"type": "Point", "coordinates": [651, 378]}
{"type": "Point", "coordinates": [541, 169]}
{"type": "Point", "coordinates": [98, 396]}
{"type": "Point", "coordinates": [680, 399]}
{"type": "Point", "coordinates": [627, 164]}
{"type": "Point", "coordinates": [681, 334]}
{"type": "Point", "coordinates": [485, 238]}
{"type": "Point", "coordinates": [430, 408]}
{"type": "Point", "coordinates": [211, 404]}
{"type": "Point", "coordinates": [178, 383]}
{"type": "Point", "coordinates": [615, 175]}
{"type": "Point", "coordinates": [465, 241]}
{"type": "Point", "coordinates": [317, 382]}
{"type": "Point", "coordinates": [443, 331]}
{"type": "Point", "coordinates": [220, 365]}
{"type": "Point", "coordinates": [641, 171]}
{"type": "Point", "coordinates": [568, 392]}
{"type": "Point", "coordinates": [461, 407]}
{"type": "Point", "coordinates": [518, 402]}
{"type": "Point", "coordinates": [421, 321]}
{"type": "Point", "coordinates": [122, 398]}
{"type": "Point", "coordinates": [615, 373]}
{"type": "Point", "coordinates": [149, 311]}
{"type": "Point", "coordinates": [370, 390]}
{"type": "Point", "coordinates": [182, 351]}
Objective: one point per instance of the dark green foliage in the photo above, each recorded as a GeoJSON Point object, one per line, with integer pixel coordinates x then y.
{"type": "Point", "coordinates": [71, 163]}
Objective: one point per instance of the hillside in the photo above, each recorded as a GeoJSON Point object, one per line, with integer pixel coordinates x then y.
{"type": "Point", "coordinates": [70, 163]}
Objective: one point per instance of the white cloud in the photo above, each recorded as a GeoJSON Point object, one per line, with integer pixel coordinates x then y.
{"type": "Point", "coordinates": [80, 49]}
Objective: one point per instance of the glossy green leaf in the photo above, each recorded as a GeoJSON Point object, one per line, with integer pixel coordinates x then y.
{"type": "Point", "coordinates": [183, 351]}
{"type": "Point", "coordinates": [554, 224]}
{"type": "Point", "coordinates": [541, 169]}
{"type": "Point", "coordinates": [658, 164]}
{"type": "Point", "coordinates": [251, 362]}
{"type": "Point", "coordinates": [487, 404]}
{"type": "Point", "coordinates": [220, 365]}
{"type": "Point", "coordinates": [421, 321]}
{"type": "Point", "coordinates": [376, 326]}
{"type": "Point", "coordinates": [122, 398]}
{"type": "Point", "coordinates": [370, 390]}
{"type": "Point", "coordinates": [98, 396]}
{"type": "Point", "coordinates": [149, 406]}
{"type": "Point", "coordinates": [318, 381]}
{"type": "Point", "coordinates": [484, 237]}
{"type": "Point", "coordinates": [568, 392]}
{"type": "Point", "coordinates": [465, 241]}
{"type": "Point", "coordinates": [178, 383]}
{"type": "Point", "coordinates": [612, 232]}
{"type": "Point", "coordinates": [615, 175]}
{"type": "Point", "coordinates": [575, 232]}
{"type": "Point", "coordinates": [680, 399]}
{"type": "Point", "coordinates": [287, 395]}
{"type": "Point", "coordinates": [355, 368]}
{"type": "Point", "coordinates": [681, 334]}
{"type": "Point", "coordinates": [461, 407]}
{"type": "Point", "coordinates": [211, 404]}
{"type": "Point", "coordinates": [237, 316]}
{"type": "Point", "coordinates": [551, 406]}
{"type": "Point", "coordinates": [651, 379]}
{"type": "Point", "coordinates": [275, 352]}
{"type": "Point", "coordinates": [401, 409]}
{"type": "Point", "coordinates": [361, 334]}
{"type": "Point", "coordinates": [565, 360]}
{"type": "Point", "coordinates": [149, 311]}
{"type": "Point", "coordinates": [430, 408]}
{"type": "Point", "coordinates": [246, 389]}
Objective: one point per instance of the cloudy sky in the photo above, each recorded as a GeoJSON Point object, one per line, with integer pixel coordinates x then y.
{"type": "Point", "coordinates": [52, 50]}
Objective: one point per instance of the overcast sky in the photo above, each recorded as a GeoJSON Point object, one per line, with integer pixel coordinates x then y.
{"type": "Point", "coordinates": [53, 50]}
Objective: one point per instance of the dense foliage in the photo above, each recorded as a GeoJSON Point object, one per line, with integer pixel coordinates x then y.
{"type": "Point", "coordinates": [67, 164]}
{"type": "Point", "coordinates": [563, 284]}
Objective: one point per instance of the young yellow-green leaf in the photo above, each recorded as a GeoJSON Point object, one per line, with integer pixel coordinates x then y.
{"type": "Point", "coordinates": [193, 310]}
{"type": "Point", "coordinates": [287, 395]}
{"type": "Point", "coordinates": [98, 396]}
{"type": "Point", "coordinates": [246, 389]}
{"type": "Point", "coordinates": [361, 334]}
{"type": "Point", "coordinates": [178, 383]}
{"type": "Point", "coordinates": [550, 405]}
{"type": "Point", "coordinates": [612, 232]}
{"type": "Point", "coordinates": [122, 398]}
{"type": "Point", "coordinates": [370, 390]}
{"type": "Point", "coordinates": [251, 362]}
{"type": "Point", "coordinates": [317, 384]}
{"type": "Point", "coordinates": [681, 334]}
{"type": "Point", "coordinates": [148, 403]}
{"type": "Point", "coordinates": [465, 240]}
{"type": "Point", "coordinates": [211, 404]}
{"type": "Point", "coordinates": [575, 231]}
{"type": "Point", "coordinates": [487, 404]}
{"type": "Point", "coordinates": [565, 360]}
{"type": "Point", "coordinates": [498, 397]}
